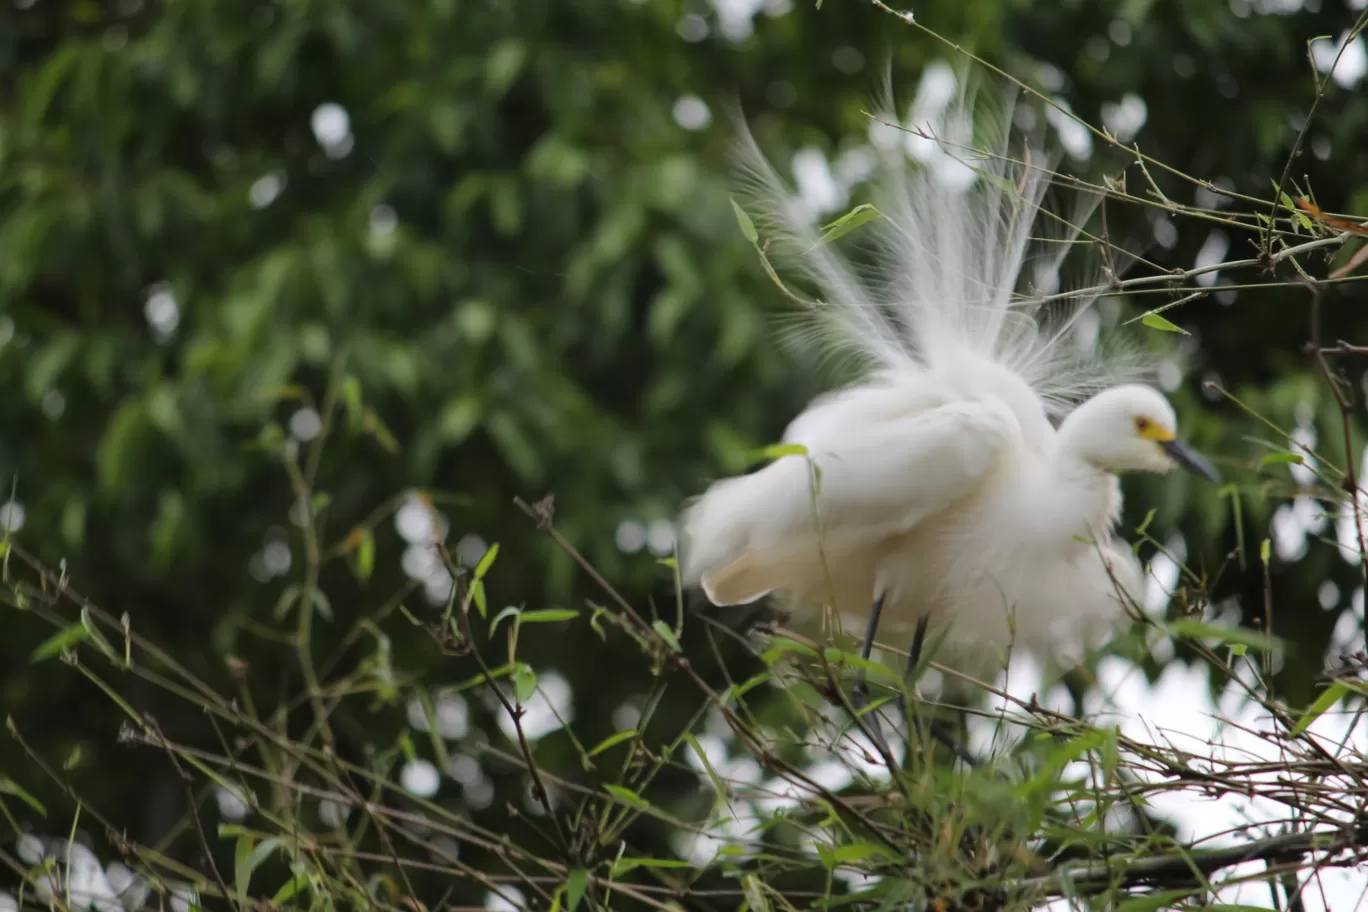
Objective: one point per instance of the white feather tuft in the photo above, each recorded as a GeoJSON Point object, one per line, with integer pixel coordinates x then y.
{"type": "Point", "coordinates": [961, 200]}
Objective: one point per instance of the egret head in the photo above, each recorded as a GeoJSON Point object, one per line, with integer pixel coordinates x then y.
{"type": "Point", "coordinates": [1131, 429]}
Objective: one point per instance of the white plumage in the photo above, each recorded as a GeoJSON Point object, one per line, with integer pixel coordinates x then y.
{"type": "Point", "coordinates": [939, 482]}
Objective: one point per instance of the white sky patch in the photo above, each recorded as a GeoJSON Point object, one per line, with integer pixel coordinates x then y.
{"type": "Point", "coordinates": [552, 699]}
{"type": "Point", "coordinates": [1073, 136]}
{"type": "Point", "coordinates": [508, 899]}
{"type": "Point", "coordinates": [1125, 117]}
{"type": "Point", "coordinates": [1213, 251]}
{"type": "Point", "coordinates": [692, 113]}
{"type": "Point", "coordinates": [927, 113]}
{"type": "Point", "coordinates": [735, 18]}
{"type": "Point", "coordinates": [331, 126]}
{"type": "Point", "coordinates": [1162, 576]}
{"type": "Point", "coordinates": [162, 311]}
{"type": "Point", "coordinates": [1348, 534]}
{"type": "Point", "coordinates": [630, 536]}
{"type": "Point", "coordinates": [1353, 62]}
{"type": "Point", "coordinates": [420, 777]}
{"type": "Point", "coordinates": [818, 191]}
{"type": "Point", "coordinates": [265, 189]}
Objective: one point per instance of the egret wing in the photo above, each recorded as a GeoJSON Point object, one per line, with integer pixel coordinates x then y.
{"type": "Point", "coordinates": [871, 470]}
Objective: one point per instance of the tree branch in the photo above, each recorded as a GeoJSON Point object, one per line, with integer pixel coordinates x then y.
{"type": "Point", "coordinates": [1183, 867]}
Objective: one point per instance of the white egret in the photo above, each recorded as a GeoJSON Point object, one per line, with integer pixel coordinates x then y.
{"type": "Point", "coordinates": [960, 484]}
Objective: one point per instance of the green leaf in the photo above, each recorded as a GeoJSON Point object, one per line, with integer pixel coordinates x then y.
{"type": "Point", "coordinates": [755, 894]}
{"type": "Point", "coordinates": [717, 783]}
{"type": "Point", "coordinates": [667, 635]}
{"type": "Point", "coordinates": [627, 796]}
{"type": "Point", "coordinates": [870, 667]}
{"type": "Point", "coordinates": [372, 425]}
{"type": "Point", "coordinates": [288, 596]}
{"type": "Point", "coordinates": [739, 690]}
{"type": "Point", "coordinates": [575, 888]}
{"type": "Point", "coordinates": [1281, 459]}
{"type": "Point", "coordinates": [1153, 902]}
{"type": "Point", "coordinates": [361, 542]}
{"type": "Point", "coordinates": [242, 874]}
{"type": "Point", "coordinates": [502, 65]}
{"type": "Point", "coordinates": [1293, 209]}
{"type": "Point", "coordinates": [73, 759]}
{"type": "Point", "coordinates": [858, 851]}
{"type": "Point", "coordinates": [351, 397]}
{"type": "Point", "coordinates": [9, 787]}
{"type": "Point", "coordinates": [626, 865]}
{"type": "Point", "coordinates": [321, 604]}
{"type": "Point", "coordinates": [778, 451]}
{"type": "Point", "coordinates": [1154, 321]}
{"type": "Point", "coordinates": [595, 624]}
{"type": "Point", "coordinates": [487, 561]}
{"type": "Point", "coordinates": [291, 887]}
{"type": "Point", "coordinates": [847, 223]}
{"type": "Point", "coordinates": [510, 611]}
{"type": "Point", "coordinates": [95, 636]}
{"type": "Point", "coordinates": [477, 595]}
{"type": "Point", "coordinates": [66, 638]}
{"type": "Point", "coordinates": [548, 616]}
{"type": "Point", "coordinates": [612, 741]}
{"type": "Point", "coordinates": [459, 418]}
{"type": "Point", "coordinates": [524, 682]}
{"type": "Point", "coordinates": [1328, 698]}
{"type": "Point", "coordinates": [747, 226]}
{"type": "Point", "coordinates": [1230, 636]}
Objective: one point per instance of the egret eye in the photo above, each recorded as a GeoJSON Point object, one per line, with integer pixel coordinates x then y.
{"type": "Point", "coordinates": [1141, 424]}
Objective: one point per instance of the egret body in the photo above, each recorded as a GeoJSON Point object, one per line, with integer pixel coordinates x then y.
{"type": "Point", "coordinates": [969, 479]}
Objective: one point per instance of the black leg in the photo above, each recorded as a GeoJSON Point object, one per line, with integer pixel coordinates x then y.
{"type": "Point", "coordinates": [936, 727]}
{"type": "Point", "coordinates": [860, 692]}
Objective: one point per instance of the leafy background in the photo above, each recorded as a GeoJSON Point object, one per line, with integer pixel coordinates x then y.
{"type": "Point", "coordinates": [507, 227]}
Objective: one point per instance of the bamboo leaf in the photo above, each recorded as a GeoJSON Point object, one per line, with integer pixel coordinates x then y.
{"type": "Point", "coordinates": [747, 226]}
{"type": "Point", "coordinates": [1154, 321]}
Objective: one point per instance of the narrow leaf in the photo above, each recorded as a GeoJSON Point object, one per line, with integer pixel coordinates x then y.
{"type": "Point", "coordinates": [778, 451]}
{"type": "Point", "coordinates": [64, 639]}
{"type": "Point", "coordinates": [548, 616]}
{"type": "Point", "coordinates": [524, 682]}
{"type": "Point", "coordinates": [293, 886]}
{"type": "Point", "coordinates": [717, 784]}
{"type": "Point", "coordinates": [510, 611]}
{"type": "Point", "coordinates": [626, 865]}
{"type": "Point", "coordinates": [575, 887]}
{"type": "Point", "coordinates": [1155, 321]}
{"type": "Point", "coordinates": [747, 226]}
{"type": "Point", "coordinates": [1328, 698]}
{"type": "Point", "coordinates": [9, 787]}
{"type": "Point", "coordinates": [612, 741]}
{"type": "Point", "coordinates": [847, 223]}
{"type": "Point", "coordinates": [626, 795]}
{"type": "Point", "coordinates": [487, 561]}
{"type": "Point", "coordinates": [242, 875]}
{"type": "Point", "coordinates": [667, 635]}
{"type": "Point", "coordinates": [1229, 636]}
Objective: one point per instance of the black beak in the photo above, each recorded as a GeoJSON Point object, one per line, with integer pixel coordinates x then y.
{"type": "Point", "coordinates": [1191, 460]}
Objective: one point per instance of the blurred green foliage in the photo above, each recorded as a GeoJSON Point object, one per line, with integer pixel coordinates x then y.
{"type": "Point", "coordinates": [488, 216]}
